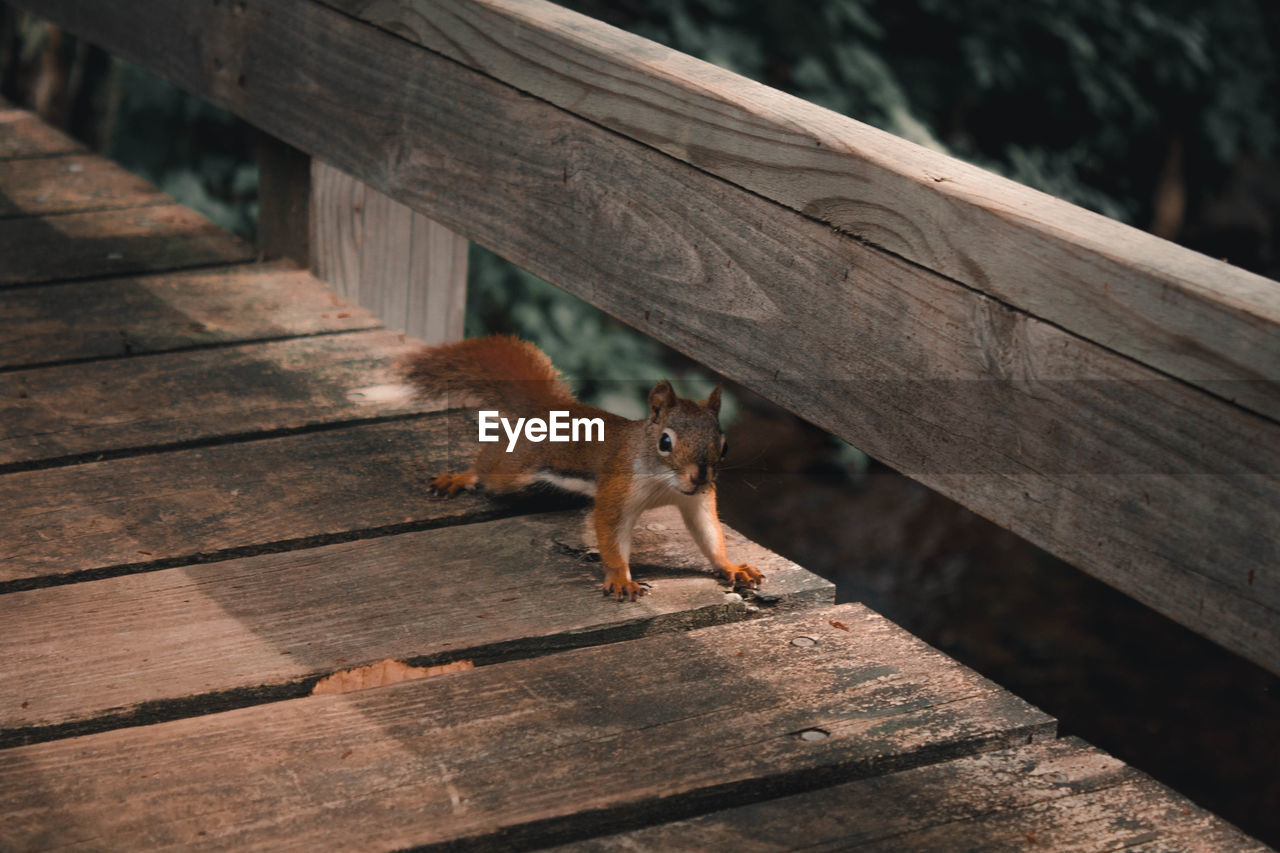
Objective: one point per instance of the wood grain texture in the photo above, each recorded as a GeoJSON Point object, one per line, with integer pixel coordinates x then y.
{"type": "Point", "coordinates": [194, 505]}
{"type": "Point", "coordinates": [168, 311]}
{"type": "Point", "coordinates": [23, 134]}
{"type": "Point", "coordinates": [527, 751]}
{"type": "Point", "coordinates": [107, 652]}
{"type": "Point", "coordinates": [1157, 487]}
{"type": "Point", "coordinates": [1139, 812]}
{"type": "Point", "coordinates": [1185, 314]}
{"type": "Point", "coordinates": [337, 228]}
{"type": "Point", "coordinates": [1047, 796]}
{"type": "Point", "coordinates": [410, 271]}
{"type": "Point", "coordinates": [113, 242]}
{"type": "Point", "coordinates": [109, 407]}
{"type": "Point", "coordinates": [74, 183]}
{"type": "Point", "coordinates": [437, 298]}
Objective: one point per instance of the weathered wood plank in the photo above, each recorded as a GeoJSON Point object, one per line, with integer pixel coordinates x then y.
{"type": "Point", "coordinates": [105, 408]}
{"type": "Point", "coordinates": [120, 651]}
{"type": "Point", "coordinates": [337, 225]}
{"type": "Point", "coordinates": [1154, 486]}
{"type": "Point", "coordinates": [1133, 813]}
{"type": "Point", "coordinates": [437, 310]}
{"type": "Point", "coordinates": [410, 271]}
{"type": "Point", "coordinates": [195, 505]}
{"type": "Point", "coordinates": [528, 751]}
{"type": "Point", "coordinates": [437, 303]}
{"type": "Point", "coordinates": [376, 232]}
{"type": "Point", "coordinates": [1185, 314]}
{"type": "Point", "coordinates": [23, 134]}
{"type": "Point", "coordinates": [168, 311]}
{"type": "Point", "coordinates": [114, 242]}
{"type": "Point", "coordinates": [1048, 796]}
{"type": "Point", "coordinates": [75, 183]}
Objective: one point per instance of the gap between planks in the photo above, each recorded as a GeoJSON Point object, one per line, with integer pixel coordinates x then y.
{"type": "Point", "coordinates": [78, 247]}
{"type": "Point", "coordinates": [132, 406]}
{"type": "Point", "coordinates": [71, 183]}
{"type": "Point", "coordinates": [213, 345]}
{"type": "Point", "coordinates": [165, 311]}
{"type": "Point", "coordinates": [1053, 795]}
{"type": "Point", "coordinates": [211, 504]}
{"type": "Point", "coordinates": [535, 751]}
{"type": "Point", "coordinates": [85, 658]}
{"type": "Point", "coordinates": [220, 440]}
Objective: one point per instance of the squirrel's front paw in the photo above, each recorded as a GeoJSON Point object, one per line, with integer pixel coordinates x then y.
{"type": "Point", "coordinates": [623, 590]}
{"type": "Point", "coordinates": [448, 485]}
{"type": "Point", "coordinates": [742, 575]}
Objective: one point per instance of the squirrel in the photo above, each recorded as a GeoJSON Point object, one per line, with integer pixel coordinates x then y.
{"type": "Point", "coordinates": [668, 458]}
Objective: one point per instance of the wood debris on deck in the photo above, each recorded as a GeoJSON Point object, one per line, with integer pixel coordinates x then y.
{"type": "Point", "coordinates": [206, 515]}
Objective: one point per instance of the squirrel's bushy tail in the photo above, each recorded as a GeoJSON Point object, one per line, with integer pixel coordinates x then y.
{"type": "Point", "coordinates": [498, 371]}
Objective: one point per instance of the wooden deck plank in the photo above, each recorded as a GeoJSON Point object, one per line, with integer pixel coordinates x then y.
{"type": "Point", "coordinates": [104, 408]}
{"type": "Point", "coordinates": [129, 649]}
{"type": "Point", "coordinates": [1117, 818]}
{"type": "Point", "coordinates": [23, 134]}
{"type": "Point", "coordinates": [1083, 451]}
{"type": "Point", "coordinates": [169, 311]}
{"type": "Point", "coordinates": [527, 751]}
{"type": "Point", "coordinates": [195, 505]}
{"type": "Point", "coordinates": [113, 242]}
{"type": "Point", "coordinates": [1048, 796]}
{"type": "Point", "coordinates": [74, 183]}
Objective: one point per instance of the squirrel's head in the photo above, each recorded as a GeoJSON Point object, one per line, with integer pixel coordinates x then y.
{"type": "Point", "coordinates": [685, 437]}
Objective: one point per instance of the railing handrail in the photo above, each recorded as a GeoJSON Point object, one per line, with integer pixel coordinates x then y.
{"type": "Point", "coordinates": [1187, 315]}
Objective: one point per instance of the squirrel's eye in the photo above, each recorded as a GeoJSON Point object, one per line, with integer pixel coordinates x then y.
{"type": "Point", "coordinates": [664, 443]}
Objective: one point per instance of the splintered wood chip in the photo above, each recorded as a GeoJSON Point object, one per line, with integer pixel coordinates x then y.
{"type": "Point", "coordinates": [840, 625]}
{"type": "Point", "coordinates": [383, 672]}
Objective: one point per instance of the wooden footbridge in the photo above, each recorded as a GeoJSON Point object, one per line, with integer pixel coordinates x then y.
{"type": "Point", "coordinates": [217, 534]}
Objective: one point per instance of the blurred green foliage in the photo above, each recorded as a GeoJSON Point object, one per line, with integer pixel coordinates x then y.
{"type": "Point", "coordinates": [195, 152]}
{"type": "Point", "coordinates": [1079, 98]}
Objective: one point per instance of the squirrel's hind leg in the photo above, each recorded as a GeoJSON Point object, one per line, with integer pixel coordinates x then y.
{"type": "Point", "coordinates": [446, 486]}
{"type": "Point", "coordinates": [494, 471]}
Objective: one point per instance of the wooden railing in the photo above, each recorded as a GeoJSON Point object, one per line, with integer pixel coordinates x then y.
{"type": "Point", "coordinates": [1107, 395]}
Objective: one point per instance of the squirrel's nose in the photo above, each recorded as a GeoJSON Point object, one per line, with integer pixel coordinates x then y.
{"type": "Point", "coordinates": [701, 477]}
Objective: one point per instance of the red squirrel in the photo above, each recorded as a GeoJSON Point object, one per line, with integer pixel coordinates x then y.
{"type": "Point", "coordinates": [668, 458]}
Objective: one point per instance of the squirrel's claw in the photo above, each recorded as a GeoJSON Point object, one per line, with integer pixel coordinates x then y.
{"type": "Point", "coordinates": [627, 590]}
{"type": "Point", "coordinates": [742, 574]}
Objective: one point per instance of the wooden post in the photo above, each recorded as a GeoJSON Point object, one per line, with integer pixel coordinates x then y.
{"type": "Point", "coordinates": [284, 199]}
{"type": "Point", "coordinates": [407, 269]}
{"type": "Point", "coordinates": [402, 266]}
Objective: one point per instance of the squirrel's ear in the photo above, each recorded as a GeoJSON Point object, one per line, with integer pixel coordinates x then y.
{"type": "Point", "coordinates": [660, 398]}
{"type": "Point", "coordinates": [713, 400]}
